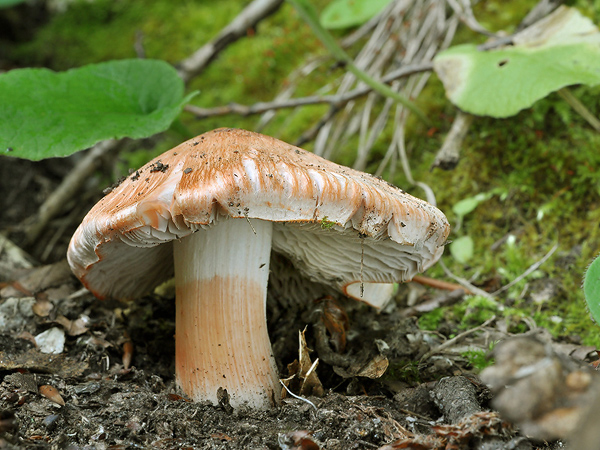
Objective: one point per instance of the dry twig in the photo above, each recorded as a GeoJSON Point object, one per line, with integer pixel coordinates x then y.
{"type": "Point", "coordinates": [455, 339]}
{"type": "Point", "coordinates": [333, 100]}
{"type": "Point", "coordinates": [68, 188]}
{"type": "Point", "coordinates": [449, 154]}
{"type": "Point", "coordinates": [529, 270]}
{"type": "Point", "coordinates": [446, 299]}
{"type": "Point", "coordinates": [247, 19]}
{"type": "Point", "coordinates": [437, 284]}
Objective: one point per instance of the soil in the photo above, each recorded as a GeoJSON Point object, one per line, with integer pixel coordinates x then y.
{"type": "Point", "coordinates": [390, 386]}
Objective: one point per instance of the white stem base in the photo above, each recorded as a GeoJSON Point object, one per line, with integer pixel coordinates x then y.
{"type": "Point", "coordinates": [221, 330]}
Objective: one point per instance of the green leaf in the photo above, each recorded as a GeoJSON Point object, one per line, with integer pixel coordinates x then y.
{"type": "Point", "coordinates": [561, 50]}
{"type": "Point", "coordinates": [309, 14]}
{"type": "Point", "coordinates": [467, 205]}
{"type": "Point", "coordinates": [461, 249]}
{"type": "Point", "coordinates": [46, 114]}
{"type": "Point", "coordinates": [349, 13]}
{"type": "Point", "coordinates": [591, 289]}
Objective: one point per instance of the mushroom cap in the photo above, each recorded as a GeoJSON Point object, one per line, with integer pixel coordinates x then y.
{"type": "Point", "coordinates": [337, 225]}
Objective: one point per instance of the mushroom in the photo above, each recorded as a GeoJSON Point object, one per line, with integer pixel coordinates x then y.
{"type": "Point", "coordinates": [211, 210]}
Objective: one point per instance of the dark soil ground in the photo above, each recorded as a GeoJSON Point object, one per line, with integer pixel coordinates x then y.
{"type": "Point", "coordinates": [394, 386]}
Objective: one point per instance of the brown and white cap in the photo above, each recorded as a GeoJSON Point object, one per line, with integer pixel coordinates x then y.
{"type": "Point", "coordinates": [337, 225]}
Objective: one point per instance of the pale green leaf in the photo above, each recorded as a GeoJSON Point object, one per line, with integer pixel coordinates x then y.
{"type": "Point", "coordinates": [46, 114]}
{"type": "Point", "coordinates": [561, 50]}
{"type": "Point", "coordinates": [591, 289]}
{"type": "Point", "coordinates": [349, 13]}
{"type": "Point", "coordinates": [467, 205]}
{"type": "Point", "coordinates": [461, 249]}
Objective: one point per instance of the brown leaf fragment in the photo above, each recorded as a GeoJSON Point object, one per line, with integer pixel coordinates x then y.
{"type": "Point", "coordinates": [223, 398]}
{"type": "Point", "coordinates": [303, 379]}
{"type": "Point", "coordinates": [73, 327]}
{"type": "Point", "coordinates": [127, 354]}
{"type": "Point", "coordinates": [221, 437]}
{"type": "Point", "coordinates": [36, 361]}
{"type": "Point", "coordinates": [41, 278]}
{"type": "Point", "coordinates": [176, 397]}
{"type": "Point", "coordinates": [51, 393]}
{"type": "Point", "coordinates": [418, 443]}
{"type": "Point", "coordinates": [298, 440]}
{"type": "Point", "coordinates": [42, 306]}
{"type": "Point", "coordinates": [375, 368]}
{"type": "Point", "coordinates": [336, 322]}
{"type": "Point", "coordinates": [484, 425]}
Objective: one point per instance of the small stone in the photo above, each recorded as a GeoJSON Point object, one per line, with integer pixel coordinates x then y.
{"type": "Point", "coordinates": [51, 341]}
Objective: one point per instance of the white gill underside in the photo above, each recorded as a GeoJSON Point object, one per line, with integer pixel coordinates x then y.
{"type": "Point", "coordinates": [364, 269]}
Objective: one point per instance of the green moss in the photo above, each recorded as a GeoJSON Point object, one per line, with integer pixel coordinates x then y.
{"type": "Point", "coordinates": [104, 29]}
{"type": "Point", "coordinates": [407, 371]}
{"type": "Point", "coordinates": [478, 359]}
{"type": "Point", "coordinates": [546, 158]}
{"type": "Point", "coordinates": [475, 310]}
{"type": "Point", "coordinates": [326, 224]}
{"type": "Point", "coordinates": [431, 320]}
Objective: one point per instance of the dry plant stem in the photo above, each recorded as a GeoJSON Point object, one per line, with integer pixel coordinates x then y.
{"type": "Point", "coordinates": [68, 188]}
{"type": "Point", "coordinates": [449, 154]}
{"type": "Point", "coordinates": [455, 339]}
{"type": "Point", "coordinates": [539, 11]}
{"type": "Point", "coordinates": [221, 276]}
{"type": "Point", "coordinates": [465, 12]}
{"type": "Point", "coordinates": [248, 18]}
{"type": "Point", "coordinates": [417, 29]}
{"type": "Point", "coordinates": [437, 284]}
{"type": "Point", "coordinates": [579, 107]}
{"type": "Point", "coordinates": [456, 397]}
{"type": "Point", "coordinates": [334, 100]}
{"type": "Point", "coordinates": [446, 299]}
{"type": "Point", "coordinates": [529, 270]}
{"type": "Point", "coordinates": [463, 282]}
{"type": "Point", "coordinates": [12, 257]}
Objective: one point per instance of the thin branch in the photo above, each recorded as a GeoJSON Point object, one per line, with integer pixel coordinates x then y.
{"type": "Point", "coordinates": [445, 299]}
{"type": "Point", "coordinates": [465, 13]}
{"type": "Point", "coordinates": [455, 339]}
{"type": "Point", "coordinates": [245, 20]}
{"type": "Point", "coordinates": [531, 269]}
{"type": "Point", "coordinates": [463, 282]}
{"type": "Point", "coordinates": [449, 154]}
{"type": "Point", "coordinates": [68, 188]}
{"type": "Point", "coordinates": [437, 284]}
{"type": "Point", "coordinates": [333, 100]}
{"type": "Point", "coordinates": [579, 107]}
{"type": "Point", "coordinates": [307, 11]}
{"type": "Point", "coordinates": [539, 11]}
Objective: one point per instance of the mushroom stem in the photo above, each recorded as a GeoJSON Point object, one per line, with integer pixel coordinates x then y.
{"type": "Point", "coordinates": [221, 330]}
